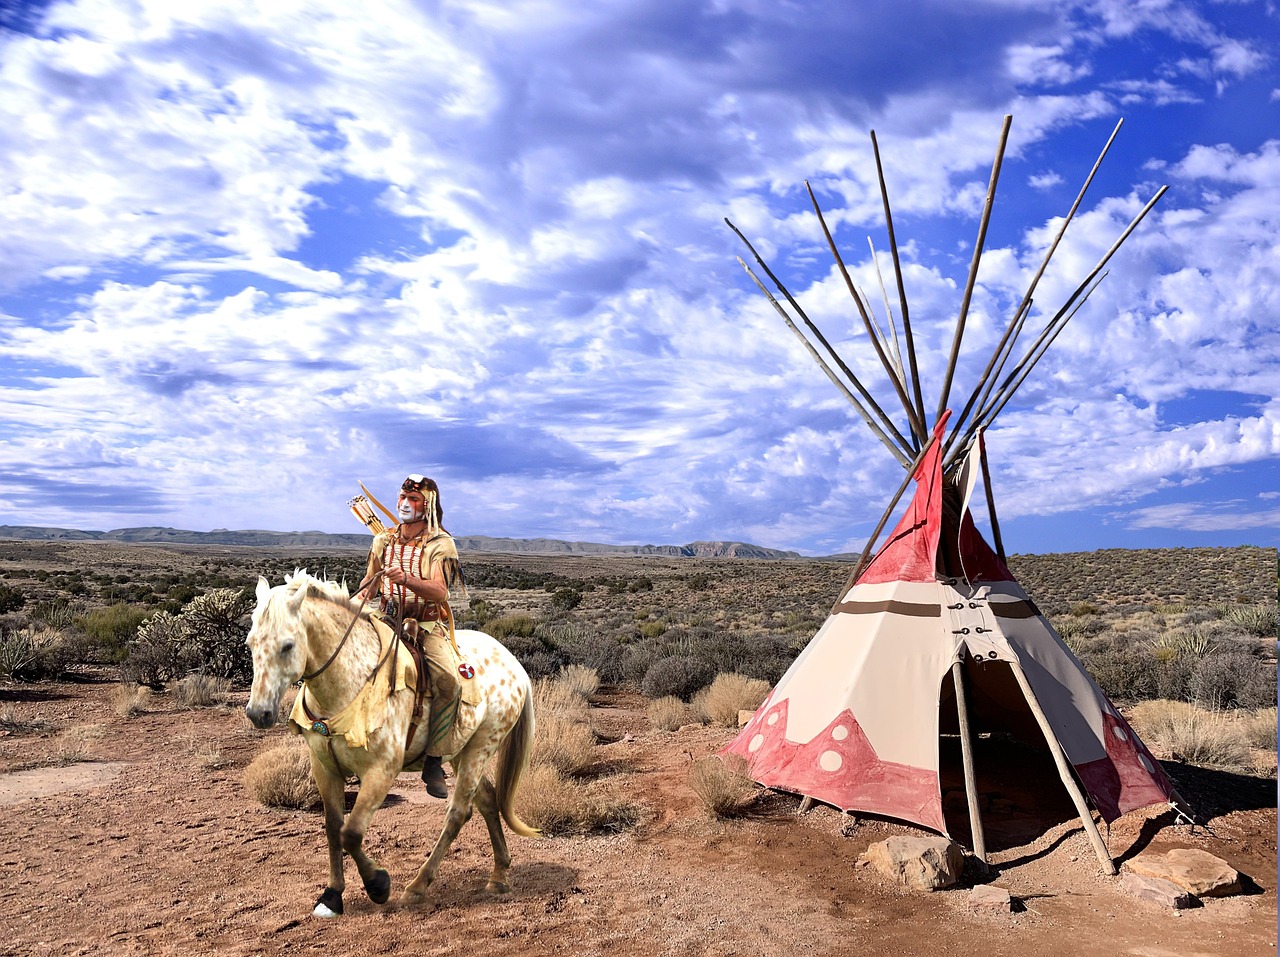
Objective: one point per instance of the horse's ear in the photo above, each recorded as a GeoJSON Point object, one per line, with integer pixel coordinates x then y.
{"type": "Point", "coordinates": [264, 590]}
{"type": "Point", "coordinates": [294, 601]}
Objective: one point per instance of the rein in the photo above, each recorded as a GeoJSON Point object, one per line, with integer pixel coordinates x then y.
{"type": "Point", "coordinates": [346, 634]}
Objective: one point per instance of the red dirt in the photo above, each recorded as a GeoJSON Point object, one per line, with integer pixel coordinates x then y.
{"type": "Point", "coordinates": [172, 856]}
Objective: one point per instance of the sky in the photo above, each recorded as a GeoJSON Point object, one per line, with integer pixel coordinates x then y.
{"type": "Point", "coordinates": [256, 253]}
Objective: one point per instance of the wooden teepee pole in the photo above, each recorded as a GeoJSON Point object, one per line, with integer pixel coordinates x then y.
{"type": "Point", "coordinates": [970, 775]}
{"type": "Point", "coordinates": [817, 333]}
{"type": "Point", "coordinates": [1064, 771]}
{"type": "Point", "coordinates": [902, 292]}
{"type": "Point", "coordinates": [978, 245]}
{"type": "Point", "coordinates": [1014, 329]}
{"type": "Point", "coordinates": [917, 426]}
{"type": "Point", "coordinates": [866, 416]}
{"type": "Point", "coordinates": [991, 498]}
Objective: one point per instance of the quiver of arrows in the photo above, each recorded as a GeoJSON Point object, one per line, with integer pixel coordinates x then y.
{"type": "Point", "coordinates": [362, 510]}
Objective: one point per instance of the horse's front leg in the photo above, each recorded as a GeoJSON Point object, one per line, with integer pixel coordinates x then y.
{"type": "Point", "coordinates": [332, 787]}
{"type": "Point", "coordinates": [468, 769]}
{"type": "Point", "coordinates": [374, 785]}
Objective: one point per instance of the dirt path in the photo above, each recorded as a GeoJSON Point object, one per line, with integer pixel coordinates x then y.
{"type": "Point", "coordinates": [173, 857]}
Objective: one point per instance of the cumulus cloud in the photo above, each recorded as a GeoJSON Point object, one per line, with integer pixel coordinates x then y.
{"type": "Point", "coordinates": [257, 253]}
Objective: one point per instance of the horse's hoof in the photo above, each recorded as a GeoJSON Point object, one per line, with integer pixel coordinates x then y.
{"type": "Point", "coordinates": [329, 904]}
{"type": "Point", "coordinates": [498, 887]}
{"type": "Point", "coordinates": [379, 888]}
{"type": "Point", "coordinates": [410, 899]}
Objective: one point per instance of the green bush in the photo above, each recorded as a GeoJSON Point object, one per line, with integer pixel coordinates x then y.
{"type": "Point", "coordinates": [566, 599]}
{"type": "Point", "coordinates": [11, 599]}
{"type": "Point", "coordinates": [155, 655]}
{"type": "Point", "coordinates": [679, 677]}
{"type": "Point", "coordinates": [109, 629]}
{"type": "Point", "coordinates": [518, 625]}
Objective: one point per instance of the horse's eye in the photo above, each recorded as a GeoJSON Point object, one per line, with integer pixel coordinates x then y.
{"type": "Point", "coordinates": [286, 648]}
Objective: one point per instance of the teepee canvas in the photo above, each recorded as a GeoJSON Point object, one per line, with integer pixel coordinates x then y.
{"type": "Point", "coordinates": [934, 635]}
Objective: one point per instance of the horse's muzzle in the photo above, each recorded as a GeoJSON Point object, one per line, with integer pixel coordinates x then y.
{"type": "Point", "coordinates": [261, 718]}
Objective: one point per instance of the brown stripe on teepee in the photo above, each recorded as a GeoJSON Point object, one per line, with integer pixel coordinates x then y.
{"type": "Point", "coordinates": [1014, 609]}
{"type": "Point", "coordinates": [913, 609]}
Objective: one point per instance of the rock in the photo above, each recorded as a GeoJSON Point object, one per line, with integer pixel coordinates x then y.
{"type": "Point", "coordinates": [1155, 889]}
{"type": "Point", "coordinates": [1195, 871]}
{"type": "Point", "coordinates": [744, 717]}
{"type": "Point", "coordinates": [989, 899]}
{"type": "Point", "coordinates": [921, 863]}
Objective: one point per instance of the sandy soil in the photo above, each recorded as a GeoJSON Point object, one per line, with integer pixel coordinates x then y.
{"type": "Point", "coordinates": [167, 854]}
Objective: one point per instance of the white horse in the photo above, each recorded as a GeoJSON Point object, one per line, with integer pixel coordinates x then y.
{"type": "Point", "coordinates": [312, 631]}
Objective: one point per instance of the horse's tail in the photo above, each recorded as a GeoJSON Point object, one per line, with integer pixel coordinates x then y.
{"type": "Point", "coordinates": [513, 758]}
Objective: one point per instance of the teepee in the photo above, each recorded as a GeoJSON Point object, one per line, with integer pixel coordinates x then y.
{"type": "Point", "coordinates": [934, 635]}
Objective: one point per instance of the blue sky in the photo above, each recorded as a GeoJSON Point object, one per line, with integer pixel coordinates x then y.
{"type": "Point", "coordinates": [253, 256]}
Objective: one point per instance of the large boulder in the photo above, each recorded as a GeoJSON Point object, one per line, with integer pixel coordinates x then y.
{"type": "Point", "coordinates": [1156, 890]}
{"type": "Point", "coordinates": [1195, 871]}
{"type": "Point", "coordinates": [921, 863]}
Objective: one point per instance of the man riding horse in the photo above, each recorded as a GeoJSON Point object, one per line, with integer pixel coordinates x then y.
{"type": "Point", "coordinates": [414, 568]}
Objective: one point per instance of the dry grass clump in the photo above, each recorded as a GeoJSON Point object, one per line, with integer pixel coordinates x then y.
{"type": "Point", "coordinates": [551, 696]}
{"type": "Point", "coordinates": [201, 691]}
{"type": "Point", "coordinates": [557, 805]}
{"type": "Point", "coordinates": [281, 777]}
{"type": "Point", "coordinates": [1212, 739]}
{"type": "Point", "coordinates": [72, 745]}
{"type": "Point", "coordinates": [563, 742]}
{"type": "Point", "coordinates": [579, 679]}
{"type": "Point", "coordinates": [11, 722]}
{"type": "Point", "coordinates": [722, 785]}
{"type": "Point", "coordinates": [670, 714]}
{"type": "Point", "coordinates": [728, 694]}
{"type": "Point", "coordinates": [128, 700]}
{"type": "Point", "coordinates": [1259, 728]}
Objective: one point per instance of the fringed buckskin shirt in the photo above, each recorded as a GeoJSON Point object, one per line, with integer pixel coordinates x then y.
{"type": "Point", "coordinates": [420, 557]}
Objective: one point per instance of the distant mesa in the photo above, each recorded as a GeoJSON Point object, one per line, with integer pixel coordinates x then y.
{"type": "Point", "coordinates": [312, 539]}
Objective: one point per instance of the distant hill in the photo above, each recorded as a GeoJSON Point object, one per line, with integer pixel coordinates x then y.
{"type": "Point", "coordinates": [468, 543]}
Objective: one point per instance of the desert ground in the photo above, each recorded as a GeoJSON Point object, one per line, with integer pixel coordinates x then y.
{"type": "Point", "coordinates": [133, 833]}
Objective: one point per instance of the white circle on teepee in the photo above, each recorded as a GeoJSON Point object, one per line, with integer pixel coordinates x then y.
{"type": "Point", "coordinates": [830, 761]}
{"type": "Point", "coordinates": [773, 719]}
{"type": "Point", "coordinates": [755, 743]}
{"type": "Point", "coordinates": [1145, 763]}
{"type": "Point", "coordinates": [840, 732]}
{"type": "Point", "coordinates": [1119, 733]}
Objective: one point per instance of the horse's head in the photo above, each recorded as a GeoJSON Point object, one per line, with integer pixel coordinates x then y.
{"type": "Point", "coordinates": [278, 642]}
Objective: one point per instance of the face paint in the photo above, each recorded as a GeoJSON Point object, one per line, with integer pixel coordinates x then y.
{"type": "Point", "coordinates": [408, 511]}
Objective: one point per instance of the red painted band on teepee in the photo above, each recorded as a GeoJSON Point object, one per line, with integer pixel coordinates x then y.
{"type": "Point", "coordinates": [839, 766]}
{"type": "Point", "coordinates": [1129, 777]}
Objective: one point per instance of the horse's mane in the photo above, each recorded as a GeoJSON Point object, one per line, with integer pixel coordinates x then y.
{"type": "Point", "coordinates": [335, 592]}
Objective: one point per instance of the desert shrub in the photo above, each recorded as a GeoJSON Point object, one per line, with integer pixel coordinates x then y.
{"type": "Point", "coordinates": [477, 615]}
{"type": "Point", "coordinates": [1128, 673]}
{"type": "Point", "coordinates": [1231, 680]}
{"type": "Point", "coordinates": [518, 625]}
{"type": "Point", "coordinates": [670, 714]}
{"type": "Point", "coordinates": [566, 599]}
{"type": "Point", "coordinates": [643, 583]}
{"type": "Point", "coordinates": [155, 655]}
{"type": "Point", "coordinates": [1173, 677]}
{"type": "Point", "coordinates": [722, 785]}
{"type": "Point", "coordinates": [652, 629]}
{"type": "Point", "coordinates": [12, 723]}
{"type": "Point", "coordinates": [281, 777]}
{"type": "Point", "coordinates": [1084, 608]}
{"type": "Point", "coordinates": [558, 806]}
{"type": "Point", "coordinates": [1192, 734]}
{"type": "Point", "coordinates": [215, 631]}
{"type": "Point", "coordinates": [201, 691]}
{"type": "Point", "coordinates": [680, 676]}
{"type": "Point", "coordinates": [109, 629]}
{"type": "Point", "coordinates": [34, 652]}
{"type": "Point", "coordinates": [728, 694]}
{"type": "Point", "coordinates": [11, 599]}
{"type": "Point", "coordinates": [699, 581]}
{"type": "Point", "coordinates": [56, 613]}
{"type": "Point", "coordinates": [1258, 620]}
